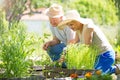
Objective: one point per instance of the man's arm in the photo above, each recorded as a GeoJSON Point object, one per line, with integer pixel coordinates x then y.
{"type": "Point", "coordinates": [55, 41]}
{"type": "Point", "coordinates": [51, 43]}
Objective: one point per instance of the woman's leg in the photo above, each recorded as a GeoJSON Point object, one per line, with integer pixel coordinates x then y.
{"type": "Point", "coordinates": [105, 61]}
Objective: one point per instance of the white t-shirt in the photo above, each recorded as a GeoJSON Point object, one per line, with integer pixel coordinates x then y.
{"type": "Point", "coordinates": [63, 35]}
{"type": "Point", "coordinates": [99, 40]}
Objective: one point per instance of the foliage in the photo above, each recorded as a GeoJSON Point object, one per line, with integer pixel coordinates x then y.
{"type": "Point", "coordinates": [39, 56]}
{"type": "Point", "coordinates": [118, 49]}
{"type": "Point", "coordinates": [117, 3]}
{"type": "Point", "coordinates": [101, 11]}
{"type": "Point", "coordinates": [118, 37]}
{"type": "Point", "coordinates": [47, 3]}
{"type": "Point", "coordinates": [14, 49]}
{"type": "Point", "coordinates": [78, 55]}
{"type": "Point", "coordinates": [117, 41]}
{"type": "Point", "coordinates": [13, 15]}
{"type": "Point", "coordinates": [3, 26]}
{"type": "Point", "coordinates": [40, 3]}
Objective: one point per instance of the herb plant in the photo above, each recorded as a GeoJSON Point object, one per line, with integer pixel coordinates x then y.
{"type": "Point", "coordinates": [80, 56]}
{"type": "Point", "coordinates": [14, 49]}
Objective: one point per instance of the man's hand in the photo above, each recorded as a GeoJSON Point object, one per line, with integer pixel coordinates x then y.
{"type": "Point", "coordinates": [46, 45]}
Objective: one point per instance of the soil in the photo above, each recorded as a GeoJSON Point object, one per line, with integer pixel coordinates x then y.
{"type": "Point", "coordinates": [51, 72]}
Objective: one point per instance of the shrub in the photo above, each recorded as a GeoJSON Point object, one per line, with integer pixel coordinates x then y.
{"type": "Point", "coordinates": [14, 48]}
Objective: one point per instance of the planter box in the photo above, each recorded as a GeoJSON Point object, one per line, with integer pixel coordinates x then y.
{"type": "Point", "coordinates": [34, 77]}
{"type": "Point", "coordinates": [36, 74]}
{"type": "Point", "coordinates": [56, 72]}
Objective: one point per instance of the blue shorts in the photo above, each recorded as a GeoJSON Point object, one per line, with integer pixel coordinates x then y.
{"type": "Point", "coordinates": [104, 62]}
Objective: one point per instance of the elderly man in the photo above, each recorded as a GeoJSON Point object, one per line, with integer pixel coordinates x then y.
{"type": "Point", "coordinates": [61, 38]}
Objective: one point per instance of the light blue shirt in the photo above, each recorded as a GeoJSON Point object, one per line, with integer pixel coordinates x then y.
{"type": "Point", "coordinates": [63, 35]}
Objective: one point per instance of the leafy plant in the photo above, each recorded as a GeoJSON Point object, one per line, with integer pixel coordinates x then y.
{"type": "Point", "coordinates": [117, 3]}
{"type": "Point", "coordinates": [14, 49]}
{"type": "Point", "coordinates": [39, 56]}
{"type": "Point", "coordinates": [118, 37]}
{"type": "Point", "coordinates": [78, 55]}
{"type": "Point", "coordinates": [100, 10]}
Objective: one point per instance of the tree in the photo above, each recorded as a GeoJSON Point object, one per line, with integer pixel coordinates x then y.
{"type": "Point", "coordinates": [14, 9]}
{"type": "Point", "coordinates": [101, 11]}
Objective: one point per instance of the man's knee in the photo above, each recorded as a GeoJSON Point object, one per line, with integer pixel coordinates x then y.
{"type": "Point", "coordinates": [55, 51]}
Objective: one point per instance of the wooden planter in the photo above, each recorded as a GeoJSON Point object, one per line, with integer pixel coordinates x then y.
{"type": "Point", "coordinates": [36, 74]}
{"type": "Point", "coordinates": [40, 73]}
{"type": "Point", "coordinates": [55, 72]}
{"type": "Point", "coordinates": [35, 77]}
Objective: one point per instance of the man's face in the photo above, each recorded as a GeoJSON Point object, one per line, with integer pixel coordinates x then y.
{"type": "Point", "coordinates": [55, 21]}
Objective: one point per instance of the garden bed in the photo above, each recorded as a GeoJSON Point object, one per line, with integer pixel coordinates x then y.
{"type": "Point", "coordinates": [35, 74]}
{"type": "Point", "coordinates": [57, 72]}
{"type": "Point", "coordinates": [33, 77]}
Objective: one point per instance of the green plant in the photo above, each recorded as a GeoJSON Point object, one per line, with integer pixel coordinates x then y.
{"type": "Point", "coordinates": [39, 56]}
{"type": "Point", "coordinates": [3, 23]}
{"type": "Point", "coordinates": [118, 37]}
{"type": "Point", "coordinates": [40, 3]}
{"type": "Point", "coordinates": [101, 11]}
{"type": "Point", "coordinates": [14, 49]}
{"type": "Point", "coordinates": [78, 55]}
{"type": "Point", "coordinates": [117, 3]}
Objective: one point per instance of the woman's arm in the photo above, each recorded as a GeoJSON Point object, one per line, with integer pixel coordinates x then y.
{"type": "Point", "coordinates": [88, 36]}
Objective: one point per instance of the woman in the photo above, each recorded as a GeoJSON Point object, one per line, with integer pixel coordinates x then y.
{"type": "Point", "coordinates": [90, 34]}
